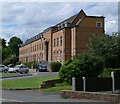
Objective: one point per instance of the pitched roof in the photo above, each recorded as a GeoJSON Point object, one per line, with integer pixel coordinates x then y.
{"type": "Point", "coordinates": [69, 20]}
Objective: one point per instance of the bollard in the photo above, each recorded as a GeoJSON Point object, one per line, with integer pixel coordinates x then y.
{"type": "Point", "coordinates": [84, 84]}
{"type": "Point", "coordinates": [113, 81]}
{"type": "Point", "coordinates": [73, 84]}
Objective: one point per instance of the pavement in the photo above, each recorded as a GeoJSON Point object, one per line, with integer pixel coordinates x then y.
{"type": "Point", "coordinates": [38, 96]}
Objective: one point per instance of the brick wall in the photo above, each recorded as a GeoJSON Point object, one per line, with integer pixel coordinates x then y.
{"type": "Point", "coordinates": [91, 95]}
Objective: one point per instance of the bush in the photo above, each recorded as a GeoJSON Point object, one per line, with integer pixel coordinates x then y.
{"type": "Point", "coordinates": [55, 66]}
{"type": "Point", "coordinates": [91, 66]}
{"type": "Point", "coordinates": [70, 69]}
{"type": "Point", "coordinates": [83, 65]}
{"type": "Point", "coordinates": [106, 73]}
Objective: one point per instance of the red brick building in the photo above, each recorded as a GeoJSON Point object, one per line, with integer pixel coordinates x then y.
{"type": "Point", "coordinates": [63, 40]}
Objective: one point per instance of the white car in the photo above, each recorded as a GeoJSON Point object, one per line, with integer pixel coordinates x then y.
{"type": "Point", "coordinates": [3, 68]}
{"type": "Point", "coordinates": [21, 69]}
{"type": "Point", "coordinates": [11, 68]}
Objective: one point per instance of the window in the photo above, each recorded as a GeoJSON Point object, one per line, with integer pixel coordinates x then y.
{"type": "Point", "coordinates": [57, 56]}
{"type": "Point", "coordinates": [57, 42]}
{"type": "Point", "coordinates": [54, 56]}
{"type": "Point", "coordinates": [60, 55]}
{"type": "Point", "coordinates": [37, 47]}
{"type": "Point", "coordinates": [54, 42]}
{"type": "Point", "coordinates": [42, 56]}
{"type": "Point", "coordinates": [98, 24]}
{"type": "Point", "coordinates": [42, 46]}
{"type": "Point", "coordinates": [61, 40]}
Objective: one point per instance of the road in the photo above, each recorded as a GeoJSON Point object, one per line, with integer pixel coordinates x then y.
{"type": "Point", "coordinates": [31, 74]}
{"type": "Point", "coordinates": [38, 96]}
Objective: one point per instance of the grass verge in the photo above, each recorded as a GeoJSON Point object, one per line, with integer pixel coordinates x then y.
{"type": "Point", "coordinates": [32, 82]}
{"type": "Point", "coordinates": [58, 87]}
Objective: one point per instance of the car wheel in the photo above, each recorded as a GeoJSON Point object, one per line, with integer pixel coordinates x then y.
{"type": "Point", "coordinates": [5, 71]}
{"type": "Point", "coordinates": [20, 72]}
{"type": "Point", "coordinates": [37, 70]}
{"type": "Point", "coordinates": [17, 71]}
{"type": "Point", "coordinates": [26, 71]}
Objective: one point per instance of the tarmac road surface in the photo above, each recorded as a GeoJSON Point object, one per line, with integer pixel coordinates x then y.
{"type": "Point", "coordinates": [38, 96]}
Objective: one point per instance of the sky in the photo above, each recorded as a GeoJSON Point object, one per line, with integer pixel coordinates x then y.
{"type": "Point", "coordinates": [27, 19]}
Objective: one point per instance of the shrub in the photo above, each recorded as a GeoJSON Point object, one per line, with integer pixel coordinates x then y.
{"type": "Point", "coordinates": [91, 66]}
{"type": "Point", "coordinates": [106, 73]}
{"type": "Point", "coordinates": [84, 65]}
{"type": "Point", "coordinates": [55, 66]}
{"type": "Point", "coordinates": [70, 69]}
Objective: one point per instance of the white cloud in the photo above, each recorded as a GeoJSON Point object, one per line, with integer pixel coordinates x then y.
{"type": "Point", "coordinates": [27, 19]}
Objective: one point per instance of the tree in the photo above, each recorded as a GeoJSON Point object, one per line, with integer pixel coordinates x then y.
{"type": "Point", "coordinates": [3, 43]}
{"type": "Point", "coordinates": [10, 53]}
{"type": "Point", "coordinates": [107, 47]}
{"type": "Point", "coordinates": [14, 44]}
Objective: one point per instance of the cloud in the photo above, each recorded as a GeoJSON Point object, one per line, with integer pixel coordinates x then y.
{"type": "Point", "coordinates": [27, 19]}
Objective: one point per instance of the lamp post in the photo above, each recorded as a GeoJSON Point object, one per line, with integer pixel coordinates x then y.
{"type": "Point", "coordinates": [13, 56]}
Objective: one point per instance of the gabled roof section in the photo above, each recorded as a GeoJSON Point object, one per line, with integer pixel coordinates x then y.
{"type": "Point", "coordinates": [78, 18]}
{"type": "Point", "coordinates": [70, 20]}
{"type": "Point", "coordinates": [65, 23]}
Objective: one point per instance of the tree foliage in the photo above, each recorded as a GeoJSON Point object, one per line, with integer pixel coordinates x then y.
{"type": "Point", "coordinates": [3, 42]}
{"type": "Point", "coordinates": [14, 44]}
{"type": "Point", "coordinates": [108, 47]}
{"type": "Point", "coordinates": [10, 53]}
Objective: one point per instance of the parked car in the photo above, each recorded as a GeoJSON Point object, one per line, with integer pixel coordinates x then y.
{"type": "Point", "coordinates": [41, 68]}
{"type": "Point", "coordinates": [11, 68]}
{"type": "Point", "coordinates": [21, 69]}
{"type": "Point", "coordinates": [3, 68]}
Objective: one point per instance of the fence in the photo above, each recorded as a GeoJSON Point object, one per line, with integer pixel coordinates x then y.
{"type": "Point", "coordinates": [97, 84]}
{"type": "Point", "coordinates": [117, 80]}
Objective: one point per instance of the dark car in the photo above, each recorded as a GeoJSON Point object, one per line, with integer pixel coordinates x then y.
{"type": "Point", "coordinates": [41, 68]}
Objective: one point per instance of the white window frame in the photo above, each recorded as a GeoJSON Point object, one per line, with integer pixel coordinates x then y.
{"type": "Point", "coordinates": [97, 24]}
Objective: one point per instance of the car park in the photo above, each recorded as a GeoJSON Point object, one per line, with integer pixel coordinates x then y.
{"type": "Point", "coordinates": [3, 68]}
{"type": "Point", "coordinates": [21, 69]}
{"type": "Point", "coordinates": [41, 68]}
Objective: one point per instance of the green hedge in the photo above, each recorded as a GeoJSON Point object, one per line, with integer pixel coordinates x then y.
{"type": "Point", "coordinates": [84, 65]}
{"type": "Point", "coordinates": [55, 66]}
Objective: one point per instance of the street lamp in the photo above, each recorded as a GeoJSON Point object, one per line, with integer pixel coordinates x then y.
{"type": "Point", "coordinates": [13, 56]}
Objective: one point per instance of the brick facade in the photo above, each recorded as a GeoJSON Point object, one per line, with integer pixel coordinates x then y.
{"type": "Point", "coordinates": [62, 41]}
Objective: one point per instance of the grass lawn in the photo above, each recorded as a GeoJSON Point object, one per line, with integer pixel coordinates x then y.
{"type": "Point", "coordinates": [32, 82]}
{"type": "Point", "coordinates": [2, 74]}
{"type": "Point", "coordinates": [58, 87]}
